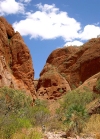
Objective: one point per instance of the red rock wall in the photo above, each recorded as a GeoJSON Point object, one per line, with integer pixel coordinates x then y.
{"type": "Point", "coordinates": [15, 60]}
{"type": "Point", "coordinates": [74, 64]}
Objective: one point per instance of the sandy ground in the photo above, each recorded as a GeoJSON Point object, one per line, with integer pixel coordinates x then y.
{"type": "Point", "coordinates": [61, 135]}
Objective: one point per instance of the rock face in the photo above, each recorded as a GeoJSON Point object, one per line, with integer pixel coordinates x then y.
{"type": "Point", "coordinates": [71, 65]}
{"type": "Point", "coordinates": [52, 84]}
{"type": "Point", "coordinates": [16, 68]}
{"type": "Point", "coordinates": [91, 83]}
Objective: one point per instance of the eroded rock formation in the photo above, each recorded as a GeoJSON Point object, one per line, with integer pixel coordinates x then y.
{"type": "Point", "coordinates": [73, 65]}
{"type": "Point", "coordinates": [16, 69]}
{"type": "Point", "coordinates": [52, 84]}
{"type": "Point", "coordinates": [65, 69]}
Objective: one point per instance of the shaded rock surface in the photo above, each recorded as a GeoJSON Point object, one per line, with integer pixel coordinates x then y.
{"type": "Point", "coordinates": [90, 83]}
{"type": "Point", "coordinates": [71, 66]}
{"type": "Point", "coordinates": [16, 69]}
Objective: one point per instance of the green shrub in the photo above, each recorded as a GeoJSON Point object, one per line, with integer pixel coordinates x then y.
{"type": "Point", "coordinates": [76, 97]}
{"type": "Point", "coordinates": [16, 112]}
{"type": "Point", "coordinates": [40, 112]}
{"type": "Point", "coordinates": [14, 105]}
{"type": "Point", "coordinates": [72, 110]}
{"type": "Point", "coordinates": [12, 124]}
{"type": "Point", "coordinates": [13, 101]}
{"type": "Point", "coordinates": [75, 118]}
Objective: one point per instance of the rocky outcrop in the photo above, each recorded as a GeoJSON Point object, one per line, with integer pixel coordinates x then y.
{"type": "Point", "coordinates": [90, 83]}
{"type": "Point", "coordinates": [52, 84]}
{"type": "Point", "coordinates": [16, 68]}
{"type": "Point", "coordinates": [73, 64]}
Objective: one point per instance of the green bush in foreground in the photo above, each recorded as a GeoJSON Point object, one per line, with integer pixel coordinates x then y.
{"type": "Point", "coordinates": [16, 112]}
{"type": "Point", "coordinates": [75, 98]}
{"type": "Point", "coordinates": [13, 106]}
{"type": "Point", "coordinates": [76, 117]}
{"type": "Point", "coordinates": [13, 101]}
{"type": "Point", "coordinates": [72, 110]}
{"type": "Point", "coordinates": [13, 124]}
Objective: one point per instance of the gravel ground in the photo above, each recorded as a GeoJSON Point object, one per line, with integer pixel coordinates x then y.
{"type": "Point", "coordinates": [60, 135]}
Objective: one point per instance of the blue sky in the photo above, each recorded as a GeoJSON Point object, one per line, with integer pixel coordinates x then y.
{"type": "Point", "coordinates": [47, 25]}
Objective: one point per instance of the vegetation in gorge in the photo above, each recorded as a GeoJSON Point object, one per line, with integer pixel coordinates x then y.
{"type": "Point", "coordinates": [17, 112]}
{"type": "Point", "coordinates": [72, 110]}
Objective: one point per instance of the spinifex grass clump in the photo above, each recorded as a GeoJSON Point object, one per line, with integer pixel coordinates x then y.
{"type": "Point", "coordinates": [93, 124]}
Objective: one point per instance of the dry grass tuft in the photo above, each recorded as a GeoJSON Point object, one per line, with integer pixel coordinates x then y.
{"type": "Point", "coordinates": [93, 126]}
{"type": "Point", "coordinates": [32, 133]}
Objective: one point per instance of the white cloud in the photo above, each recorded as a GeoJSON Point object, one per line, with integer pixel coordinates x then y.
{"type": "Point", "coordinates": [90, 31]}
{"type": "Point", "coordinates": [26, 1]}
{"type": "Point", "coordinates": [47, 8]}
{"type": "Point", "coordinates": [48, 22]}
{"type": "Point", "coordinates": [10, 7]}
{"type": "Point", "coordinates": [72, 43]}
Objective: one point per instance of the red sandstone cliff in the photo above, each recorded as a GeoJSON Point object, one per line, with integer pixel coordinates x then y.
{"type": "Point", "coordinates": [65, 68]}
{"type": "Point", "coordinates": [16, 69]}
{"type": "Point", "coordinates": [71, 66]}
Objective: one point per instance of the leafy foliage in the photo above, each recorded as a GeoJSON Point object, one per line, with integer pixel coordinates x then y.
{"type": "Point", "coordinates": [76, 116]}
{"type": "Point", "coordinates": [11, 124]}
{"type": "Point", "coordinates": [13, 101]}
{"type": "Point", "coordinates": [76, 97]}
{"type": "Point", "coordinates": [72, 109]}
{"type": "Point", "coordinates": [17, 112]}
